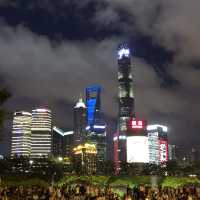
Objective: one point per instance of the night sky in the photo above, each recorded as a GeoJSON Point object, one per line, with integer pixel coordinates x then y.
{"type": "Point", "coordinates": [51, 50]}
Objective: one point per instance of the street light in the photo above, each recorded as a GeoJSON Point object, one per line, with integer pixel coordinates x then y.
{"type": "Point", "coordinates": [60, 159]}
{"type": "Point", "coordinates": [31, 162]}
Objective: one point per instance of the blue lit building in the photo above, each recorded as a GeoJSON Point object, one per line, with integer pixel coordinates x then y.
{"type": "Point", "coordinates": [93, 104]}
{"type": "Point", "coordinates": [96, 127]}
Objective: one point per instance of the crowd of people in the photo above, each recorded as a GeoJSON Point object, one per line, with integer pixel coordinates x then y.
{"type": "Point", "coordinates": [89, 192]}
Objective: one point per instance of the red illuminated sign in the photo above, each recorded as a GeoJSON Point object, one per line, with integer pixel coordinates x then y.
{"type": "Point", "coordinates": [116, 155]}
{"type": "Point", "coordinates": [163, 151]}
{"type": "Point", "coordinates": [137, 124]}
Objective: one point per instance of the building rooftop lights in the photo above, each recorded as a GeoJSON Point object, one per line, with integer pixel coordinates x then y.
{"type": "Point", "coordinates": [156, 126]}
{"type": "Point", "coordinates": [41, 110]}
{"type": "Point", "coordinates": [80, 104]}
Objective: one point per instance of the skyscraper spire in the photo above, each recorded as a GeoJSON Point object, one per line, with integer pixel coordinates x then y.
{"type": "Point", "coordinates": [80, 103]}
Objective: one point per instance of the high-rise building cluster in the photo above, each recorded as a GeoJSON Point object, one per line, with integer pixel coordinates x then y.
{"type": "Point", "coordinates": [31, 134]}
{"type": "Point", "coordinates": [135, 141]}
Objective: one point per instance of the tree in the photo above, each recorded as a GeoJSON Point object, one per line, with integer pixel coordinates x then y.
{"type": "Point", "coordinates": [106, 168]}
{"type": "Point", "coordinates": [4, 95]}
{"type": "Point", "coordinates": [172, 168]}
{"type": "Point", "coordinates": [124, 168]}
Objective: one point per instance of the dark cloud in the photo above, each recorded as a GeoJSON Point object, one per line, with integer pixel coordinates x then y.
{"type": "Point", "coordinates": [40, 71]}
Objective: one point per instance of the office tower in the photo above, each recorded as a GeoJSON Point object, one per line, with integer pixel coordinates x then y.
{"type": "Point", "coordinates": [93, 103]}
{"type": "Point", "coordinates": [158, 143]}
{"type": "Point", "coordinates": [126, 101]}
{"type": "Point", "coordinates": [96, 128]}
{"type": "Point", "coordinates": [80, 122]}
{"type": "Point", "coordinates": [57, 142]}
{"type": "Point", "coordinates": [41, 136]}
{"type": "Point", "coordinates": [21, 134]}
{"type": "Point", "coordinates": [85, 155]}
{"type": "Point", "coordinates": [62, 143]}
{"type": "Point", "coordinates": [153, 147]}
{"type": "Point", "coordinates": [172, 152]}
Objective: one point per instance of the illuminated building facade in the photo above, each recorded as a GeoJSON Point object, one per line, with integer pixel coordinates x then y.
{"type": "Point", "coordinates": [93, 103]}
{"type": "Point", "coordinates": [86, 155]}
{"type": "Point", "coordinates": [96, 128]}
{"type": "Point", "coordinates": [80, 123]}
{"type": "Point", "coordinates": [41, 136]}
{"type": "Point", "coordinates": [158, 143]}
{"type": "Point", "coordinates": [21, 134]}
{"type": "Point", "coordinates": [62, 142]}
{"type": "Point", "coordinates": [126, 99]}
{"type": "Point", "coordinates": [116, 153]}
{"type": "Point", "coordinates": [137, 142]}
{"type": "Point", "coordinates": [153, 147]}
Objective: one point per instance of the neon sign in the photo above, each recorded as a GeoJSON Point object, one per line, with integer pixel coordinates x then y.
{"type": "Point", "coordinates": [163, 151]}
{"type": "Point", "coordinates": [137, 124]}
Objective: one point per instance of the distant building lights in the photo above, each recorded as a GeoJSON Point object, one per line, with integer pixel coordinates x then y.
{"type": "Point", "coordinates": [41, 110]}
{"type": "Point", "coordinates": [122, 137]}
{"type": "Point", "coordinates": [60, 159]}
{"type": "Point", "coordinates": [87, 128]}
{"type": "Point", "coordinates": [156, 126]}
{"type": "Point", "coordinates": [99, 127]}
{"type": "Point", "coordinates": [115, 138]}
{"type": "Point", "coordinates": [31, 162]}
{"type": "Point", "coordinates": [68, 133]}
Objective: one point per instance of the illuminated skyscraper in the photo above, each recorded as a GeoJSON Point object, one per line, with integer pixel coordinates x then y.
{"type": "Point", "coordinates": [85, 156]}
{"type": "Point", "coordinates": [158, 143]}
{"type": "Point", "coordinates": [93, 103]}
{"type": "Point", "coordinates": [21, 134]}
{"type": "Point", "coordinates": [80, 122]}
{"type": "Point", "coordinates": [96, 127]}
{"type": "Point", "coordinates": [41, 136]}
{"type": "Point", "coordinates": [126, 98]}
{"type": "Point", "coordinates": [62, 142]}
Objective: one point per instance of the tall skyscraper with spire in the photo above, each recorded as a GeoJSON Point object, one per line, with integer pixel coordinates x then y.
{"type": "Point", "coordinates": [126, 101]}
{"type": "Point", "coordinates": [96, 127]}
{"type": "Point", "coordinates": [80, 122]}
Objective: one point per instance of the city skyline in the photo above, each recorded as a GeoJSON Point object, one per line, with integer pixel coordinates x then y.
{"type": "Point", "coordinates": [49, 62]}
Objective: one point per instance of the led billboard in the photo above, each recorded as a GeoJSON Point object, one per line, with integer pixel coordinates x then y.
{"type": "Point", "coordinates": [137, 149]}
{"type": "Point", "coordinates": [137, 127]}
{"type": "Point", "coordinates": [137, 124]}
{"type": "Point", "coordinates": [163, 151]}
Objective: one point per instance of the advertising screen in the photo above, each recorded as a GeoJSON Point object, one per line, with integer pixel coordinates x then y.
{"type": "Point", "coordinates": [163, 151]}
{"type": "Point", "coordinates": [137, 149]}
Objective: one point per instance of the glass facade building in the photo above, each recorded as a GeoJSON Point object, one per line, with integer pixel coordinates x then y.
{"type": "Point", "coordinates": [21, 134]}
{"type": "Point", "coordinates": [41, 136]}
{"type": "Point", "coordinates": [153, 147]}
{"type": "Point", "coordinates": [96, 128]}
{"type": "Point", "coordinates": [61, 143]}
{"type": "Point", "coordinates": [158, 144]}
{"type": "Point", "coordinates": [93, 103]}
{"type": "Point", "coordinates": [80, 122]}
{"type": "Point", "coordinates": [125, 99]}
